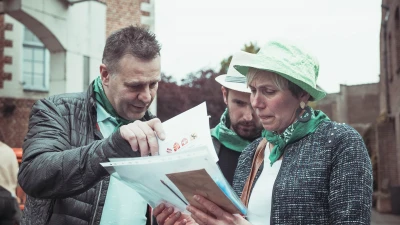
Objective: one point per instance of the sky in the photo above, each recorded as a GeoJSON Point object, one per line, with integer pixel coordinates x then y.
{"type": "Point", "coordinates": [342, 34]}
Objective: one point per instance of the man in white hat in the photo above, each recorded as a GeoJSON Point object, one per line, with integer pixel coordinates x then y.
{"type": "Point", "coordinates": [239, 124]}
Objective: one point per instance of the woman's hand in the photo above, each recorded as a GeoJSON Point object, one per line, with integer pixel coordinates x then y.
{"type": "Point", "coordinates": [218, 217]}
{"type": "Point", "coordinates": [166, 216]}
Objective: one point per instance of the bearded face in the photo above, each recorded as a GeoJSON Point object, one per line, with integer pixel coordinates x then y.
{"type": "Point", "coordinates": [243, 119]}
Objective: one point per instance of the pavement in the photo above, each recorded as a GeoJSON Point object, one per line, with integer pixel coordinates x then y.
{"type": "Point", "coordinates": [384, 219]}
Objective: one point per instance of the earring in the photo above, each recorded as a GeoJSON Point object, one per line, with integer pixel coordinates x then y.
{"type": "Point", "coordinates": [306, 115]}
{"type": "Point", "coordinates": [302, 104]}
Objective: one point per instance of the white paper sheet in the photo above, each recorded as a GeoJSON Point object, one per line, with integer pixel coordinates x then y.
{"type": "Point", "coordinates": [189, 132]}
{"type": "Point", "coordinates": [144, 174]}
{"type": "Point", "coordinates": [186, 131]}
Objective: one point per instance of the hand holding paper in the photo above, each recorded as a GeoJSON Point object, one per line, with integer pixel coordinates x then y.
{"type": "Point", "coordinates": [185, 167]}
{"type": "Point", "coordinates": [148, 131]}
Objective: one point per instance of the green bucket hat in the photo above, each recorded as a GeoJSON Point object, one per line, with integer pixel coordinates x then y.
{"type": "Point", "coordinates": [288, 61]}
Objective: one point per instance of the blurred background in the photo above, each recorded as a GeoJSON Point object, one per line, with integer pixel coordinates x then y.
{"type": "Point", "coordinates": [49, 47]}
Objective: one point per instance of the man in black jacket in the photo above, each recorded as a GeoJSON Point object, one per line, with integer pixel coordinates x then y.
{"type": "Point", "coordinates": [69, 135]}
{"type": "Point", "coordinates": [239, 124]}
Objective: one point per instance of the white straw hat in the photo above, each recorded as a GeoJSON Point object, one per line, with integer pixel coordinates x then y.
{"type": "Point", "coordinates": [233, 79]}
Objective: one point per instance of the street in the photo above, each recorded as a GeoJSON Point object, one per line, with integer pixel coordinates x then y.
{"type": "Point", "coordinates": [384, 219]}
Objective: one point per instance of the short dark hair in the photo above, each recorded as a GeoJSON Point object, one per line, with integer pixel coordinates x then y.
{"type": "Point", "coordinates": [137, 41]}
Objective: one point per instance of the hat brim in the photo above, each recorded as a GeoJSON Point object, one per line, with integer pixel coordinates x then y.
{"type": "Point", "coordinates": [258, 62]}
{"type": "Point", "coordinates": [241, 87]}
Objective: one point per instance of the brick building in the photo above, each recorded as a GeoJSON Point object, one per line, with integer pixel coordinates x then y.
{"type": "Point", "coordinates": [356, 105]}
{"type": "Point", "coordinates": [387, 130]}
{"type": "Point", "coordinates": [52, 47]}
{"type": "Point", "coordinates": [374, 110]}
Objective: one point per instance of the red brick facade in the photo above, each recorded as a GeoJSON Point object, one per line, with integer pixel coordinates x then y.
{"type": "Point", "coordinates": [14, 117]}
{"type": "Point", "coordinates": [122, 13]}
{"type": "Point", "coordinates": [387, 131]}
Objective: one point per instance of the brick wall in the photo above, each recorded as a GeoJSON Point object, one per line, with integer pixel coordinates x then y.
{"type": "Point", "coordinates": [14, 117]}
{"type": "Point", "coordinates": [122, 13]}
{"type": "Point", "coordinates": [328, 105]}
{"type": "Point", "coordinates": [389, 140]}
{"type": "Point", "coordinates": [393, 56]}
{"type": "Point", "coordinates": [387, 164]}
{"type": "Point", "coordinates": [363, 103]}
{"type": "Point", "coordinates": [370, 140]}
{"type": "Point", "coordinates": [356, 104]}
{"type": "Point", "coordinates": [387, 151]}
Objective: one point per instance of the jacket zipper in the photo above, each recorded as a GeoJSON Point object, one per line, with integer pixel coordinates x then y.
{"type": "Point", "coordinates": [97, 203]}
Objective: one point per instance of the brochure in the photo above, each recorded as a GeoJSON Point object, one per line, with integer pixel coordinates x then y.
{"type": "Point", "coordinates": [179, 172]}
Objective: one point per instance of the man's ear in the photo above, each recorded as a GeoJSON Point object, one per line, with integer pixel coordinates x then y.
{"type": "Point", "coordinates": [104, 75]}
{"type": "Point", "coordinates": [225, 94]}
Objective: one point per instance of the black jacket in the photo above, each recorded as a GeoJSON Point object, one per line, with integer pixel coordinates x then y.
{"type": "Point", "coordinates": [10, 214]}
{"type": "Point", "coordinates": [61, 172]}
{"type": "Point", "coordinates": [228, 160]}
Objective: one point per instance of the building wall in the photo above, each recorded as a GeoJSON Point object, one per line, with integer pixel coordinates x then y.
{"type": "Point", "coordinates": [355, 104]}
{"type": "Point", "coordinates": [328, 105]}
{"type": "Point", "coordinates": [5, 44]}
{"type": "Point", "coordinates": [389, 119]}
{"type": "Point", "coordinates": [387, 171]}
{"type": "Point", "coordinates": [89, 43]}
{"type": "Point", "coordinates": [392, 43]}
{"type": "Point", "coordinates": [393, 56]}
{"type": "Point", "coordinates": [122, 13]}
{"type": "Point", "coordinates": [81, 36]}
{"type": "Point", "coordinates": [13, 87]}
{"type": "Point", "coordinates": [362, 103]}
{"type": "Point", "coordinates": [14, 117]}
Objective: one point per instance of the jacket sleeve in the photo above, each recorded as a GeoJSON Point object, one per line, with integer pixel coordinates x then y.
{"type": "Point", "coordinates": [52, 167]}
{"type": "Point", "coordinates": [350, 196]}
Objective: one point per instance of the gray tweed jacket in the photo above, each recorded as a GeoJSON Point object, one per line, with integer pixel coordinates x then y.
{"type": "Point", "coordinates": [325, 178]}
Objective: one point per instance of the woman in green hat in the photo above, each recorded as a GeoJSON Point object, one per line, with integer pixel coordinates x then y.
{"type": "Point", "coordinates": [306, 169]}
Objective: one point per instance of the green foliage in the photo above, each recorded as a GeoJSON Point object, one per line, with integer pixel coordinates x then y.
{"type": "Point", "coordinates": [196, 88]}
{"type": "Point", "coordinates": [251, 48]}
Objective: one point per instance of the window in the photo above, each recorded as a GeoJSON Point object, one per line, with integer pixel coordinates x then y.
{"type": "Point", "coordinates": [35, 63]}
{"type": "Point", "coordinates": [397, 26]}
{"type": "Point", "coordinates": [390, 58]}
{"type": "Point", "coordinates": [86, 72]}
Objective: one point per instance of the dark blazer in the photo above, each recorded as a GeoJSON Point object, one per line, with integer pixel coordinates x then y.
{"type": "Point", "coordinates": [325, 178]}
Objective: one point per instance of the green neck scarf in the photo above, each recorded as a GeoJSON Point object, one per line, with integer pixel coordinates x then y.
{"type": "Point", "coordinates": [228, 137]}
{"type": "Point", "coordinates": [102, 99]}
{"type": "Point", "coordinates": [293, 133]}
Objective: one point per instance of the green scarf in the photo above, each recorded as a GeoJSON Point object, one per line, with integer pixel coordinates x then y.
{"type": "Point", "coordinates": [228, 137]}
{"type": "Point", "coordinates": [293, 133]}
{"type": "Point", "coordinates": [102, 99]}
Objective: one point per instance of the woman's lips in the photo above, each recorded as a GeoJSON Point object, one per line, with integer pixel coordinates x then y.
{"type": "Point", "coordinates": [265, 117]}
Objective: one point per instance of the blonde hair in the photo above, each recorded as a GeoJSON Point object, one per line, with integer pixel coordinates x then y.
{"type": "Point", "coordinates": [280, 82]}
